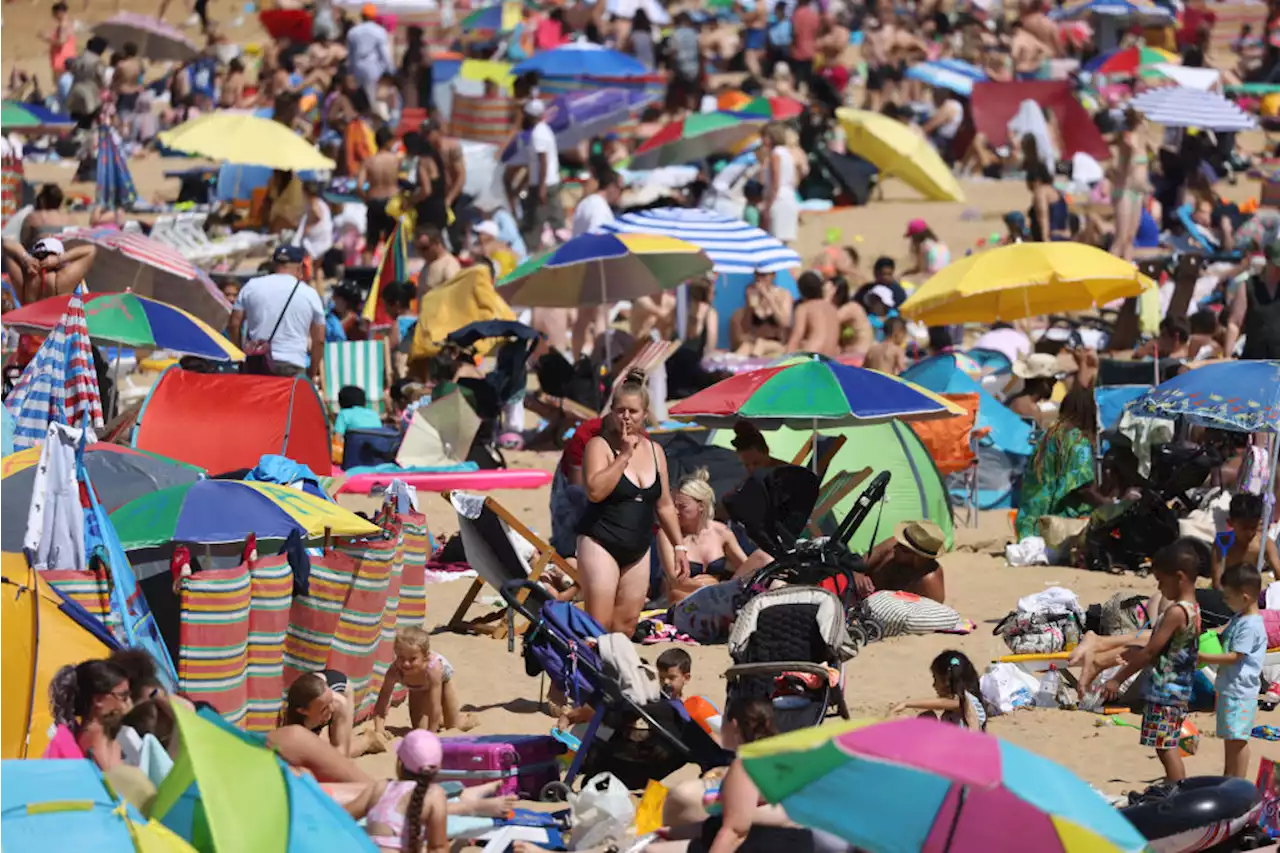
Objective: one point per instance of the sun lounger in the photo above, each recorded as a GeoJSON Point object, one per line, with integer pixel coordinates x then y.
{"type": "Point", "coordinates": [489, 534]}
{"type": "Point", "coordinates": [364, 364]}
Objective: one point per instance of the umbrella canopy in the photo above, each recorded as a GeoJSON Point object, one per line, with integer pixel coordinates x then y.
{"type": "Point", "coordinates": [114, 185]}
{"type": "Point", "coordinates": [293, 24]}
{"type": "Point", "coordinates": [60, 385]}
{"type": "Point", "coordinates": [1112, 9]}
{"type": "Point", "coordinates": [133, 262]}
{"type": "Point", "coordinates": [928, 786]}
{"type": "Point", "coordinates": [812, 391]}
{"type": "Point", "coordinates": [1178, 106]}
{"type": "Point", "coordinates": [779, 108]}
{"type": "Point", "coordinates": [155, 39]}
{"type": "Point", "coordinates": [732, 245]}
{"type": "Point", "coordinates": [901, 151]}
{"type": "Point", "coordinates": [17, 117]}
{"type": "Point", "coordinates": [582, 59]}
{"type": "Point", "coordinates": [1129, 61]}
{"type": "Point", "coordinates": [216, 512]}
{"type": "Point", "coordinates": [130, 320]}
{"type": "Point", "coordinates": [596, 269]}
{"type": "Point", "coordinates": [1023, 280]}
{"type": "Point", "coordinates": [441, 433]}
{"type": "Point", "coordinates": [42, 800]}
{"type": "Point", "coordinates": [696, 137]}
{"type": "Point", "coordinates": [955, 75]}
{"type": "Point", "coordinates": [245, 139]}
{"type": "Point", "coordinates": [1260, 231]}
{"type": "Point", "coordinates": [1237, 395]}
{"type": "Point", "coordinates": [578, 117]}
{"type": "Point", "coordinates": [492, 20]}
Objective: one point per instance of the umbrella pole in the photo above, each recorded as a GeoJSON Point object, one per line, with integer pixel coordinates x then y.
{"type": "Point", "coordinates": [955, 819]}
{"type": "Point", "coordinates": [1269, 499]}
{"type": "Point", "coordinates": [814, 458]}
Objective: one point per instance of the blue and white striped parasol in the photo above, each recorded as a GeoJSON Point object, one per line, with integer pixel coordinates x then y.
{"type": "Point", "coordinates": [1181, 107]}
{"type": "Point", "coordinates": [732, 245]}
{"type": "Point", "coordinates": [1112, 9]}
{"type": "Point", "coordinates": [955, 75]}
{"type": "Point", "coordinates": [60, 385]}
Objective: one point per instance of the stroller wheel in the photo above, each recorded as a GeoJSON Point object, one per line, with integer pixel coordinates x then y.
{"type": "Point", "coordinates": [873, 628]}
{"type": "Point", "coordinates": [857, 635]}
{"type": "Point", "coordinates": [554, 792]}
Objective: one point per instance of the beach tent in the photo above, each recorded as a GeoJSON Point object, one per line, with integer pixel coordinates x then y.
{"type": "Point", "coordinates": [916, 491]}
{"type": "Point", "coordinates": [994, 104]}
{"type": "Point", "coordinates": [1003, 453]}
{"type": "Point", "coordinates": [67, 805]}
{"type": "Point", "coordinates": [227, 421]}
{"type": "Point", "coordinates": [229, 793]}
{"type": "Point", "coordinates": [42, 631]}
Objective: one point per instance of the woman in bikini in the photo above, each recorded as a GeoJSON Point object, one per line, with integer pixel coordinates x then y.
{"type": "Point", "coordinates": [626, 482]}
{"type": "Point", "coordinates": [714, 552]}
{"type": "Point", "coordinates": [1132, 183]}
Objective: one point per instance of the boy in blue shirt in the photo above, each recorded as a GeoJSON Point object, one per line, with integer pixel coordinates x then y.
{"type": "Point", "coordinates": [355, 413]}
{"type": "Point", "coordinates": [1244, 642]}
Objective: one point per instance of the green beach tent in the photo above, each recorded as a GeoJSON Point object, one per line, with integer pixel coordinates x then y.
{"type": "Point", "coordinates": [916, 491]}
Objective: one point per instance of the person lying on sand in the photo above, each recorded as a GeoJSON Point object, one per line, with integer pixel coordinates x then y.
{"type": "Point", "coordinates": [908, 561]}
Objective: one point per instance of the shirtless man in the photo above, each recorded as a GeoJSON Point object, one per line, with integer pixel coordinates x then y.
{"type": "Point", "coordinates": [49, 269]}
{"type": "Point", "coordinates": [1031, 15]}
{"type": "Point", "coordinates": [126, 83]}
{"type": "Point", "coordinates": [890, 355]}
{"type": "Point", "coordinates": [814, 326]}
{"type": "Point", "coordinates": [455, 174]}
{"type": "Point", "coordinates": [1029, 53]}
{"type": "Point", "coordinates": [882, 75]}
{"type": "Point", "coordinates": [908, 561]}
{"type": "Point", "coordinates": [377, 183]}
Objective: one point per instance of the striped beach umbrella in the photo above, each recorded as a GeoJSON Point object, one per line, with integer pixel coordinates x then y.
{"type": "Point", "coordinates": [60, 384]}
{"type": "Point", "coordinates": [115, 187]}
{"type": "Point", "coordinates": [954, 75]}
{"type": "Point", "coordinates": [696, 137]}
{"type": "Point", "coordinates": [732, 245]}
{"type": "Point", "coordinates": [1182, 107]}
{"type": "Point", "coordinates": [492, 20]}
{"type": "Point", "coordinates": [1130, 61]}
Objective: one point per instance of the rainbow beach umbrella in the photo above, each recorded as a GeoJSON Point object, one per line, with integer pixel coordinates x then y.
{"type": "Point", "coordinates": [696, 137]}
{"type": "Point", "coordinates": [595, 269]}
{"type": "Point", "coordinates": [917, 785]}
{"type": "Point", "coordinates": [492, 20]}
{"type": "Point", "coordinates": [131, 320]}
{"type": "Point", "coordinates": [1130, 61]}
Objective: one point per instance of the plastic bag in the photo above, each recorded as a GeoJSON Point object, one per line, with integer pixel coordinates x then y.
{"type": "Point", "coordinates": [602, 813]}
{"type": "Point", "coordinates": [1007, 687]}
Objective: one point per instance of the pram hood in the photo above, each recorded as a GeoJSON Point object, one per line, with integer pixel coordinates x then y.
{"type": "Point", "coordinates": [830, 617]}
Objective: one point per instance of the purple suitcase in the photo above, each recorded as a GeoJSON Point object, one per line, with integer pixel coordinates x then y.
{"type": "Point", "coordinates": [523, 763]}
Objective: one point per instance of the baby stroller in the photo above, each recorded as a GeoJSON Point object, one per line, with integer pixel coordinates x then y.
{"type": "Point", "coordinates": [636, 743]}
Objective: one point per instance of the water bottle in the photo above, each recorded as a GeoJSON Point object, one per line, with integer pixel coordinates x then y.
{"type": "Point", "coordinates": [1047, 695]}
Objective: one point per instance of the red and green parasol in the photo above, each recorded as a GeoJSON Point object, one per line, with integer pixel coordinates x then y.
{"type": "Point", "coordinates": [696, 137]}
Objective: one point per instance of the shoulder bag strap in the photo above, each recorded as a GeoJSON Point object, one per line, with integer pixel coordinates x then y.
{"type": "Point", "coordinates": [284, 310]}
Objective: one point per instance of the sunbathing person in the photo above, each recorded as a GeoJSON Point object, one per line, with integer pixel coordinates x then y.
{"type": "Point", "coordinates": [410, 813]}
{"type": "Point", "coordinates": [714, 552]}
{"type": "Point", "coordinates": [315, 701]}
{"type": "Point", "coordinates": [908, 561]}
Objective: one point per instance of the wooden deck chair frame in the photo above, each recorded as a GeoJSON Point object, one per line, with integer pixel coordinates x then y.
{"type": "Point", "coordinates": [380, 404]}
{"type": "Point", "coordinates": [834, 490]}
{"type": "Point", "coordinates": [824, 460]}
{"type": "Point", "coordinates": [496, 624]}
{"type": "Point", "coordinates": [645, 354]}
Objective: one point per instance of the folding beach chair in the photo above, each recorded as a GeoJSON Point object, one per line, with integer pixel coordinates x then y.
{"type": "Point", "coordinates": [953, 444]}
{"type": "Point", "coordinates": [648, 355]}
{"type": "Point", "coordinates": [489, 534]}
{"type": "Point", "coordinates": [364, 364]}
{"type": "Point", "coordinates": [828, 447]}
{"type": "Point", "coordinates": [839, 486]}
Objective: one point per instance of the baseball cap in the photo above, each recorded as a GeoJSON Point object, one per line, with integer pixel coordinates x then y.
{"type": "Point", "coordinates": [48, 246]}
{"type": "Point", "coordinates": [288, 255]}
{"type": "Point", "coordinates": [1272, 252]}
{"type": "Point", "coordinates": [916, 226]}
{"type": "Point", "coordinates": [488, 227]}
{"type": "Point", "coordinates": [419, 751]}
{"type": "Point", "coordinates": [535, 108]}
{"type": "Point", "coordinates": [884, 294]}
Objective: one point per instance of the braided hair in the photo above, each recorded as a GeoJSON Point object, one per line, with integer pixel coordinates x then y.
{"type": "Point", "coordinates": [413, 811]}
{"type": "Point", "coordinates": [73, 689]}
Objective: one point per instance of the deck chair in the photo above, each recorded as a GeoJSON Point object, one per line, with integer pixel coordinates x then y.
{"type": "Point", "coordinates": [953, 444]}
{"type": "Point", "coordinates": [365, 364]}
{"type": "Point", "coordinates": [647, 355]}
{"type": "Point", "coordinates": [828, 447]}
{"type": "Point", "coordinates": [489, 534]}
{"type": "Point", "coordinates": [823, 522]}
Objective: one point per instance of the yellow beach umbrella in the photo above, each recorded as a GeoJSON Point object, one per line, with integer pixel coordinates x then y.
{"type": "Point", "coordinates": [1024, 280]}
{"type": "Point", "coordinates": [900, 151]}
{"type": "Point", "coordinates": [247, 140]}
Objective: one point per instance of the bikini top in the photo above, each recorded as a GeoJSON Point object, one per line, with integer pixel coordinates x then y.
{"type": "Point", "coordinates": [716, 568]}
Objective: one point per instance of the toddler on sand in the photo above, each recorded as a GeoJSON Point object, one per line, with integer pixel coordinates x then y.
{"type": "Point", "coordinates": [1240, 666]}
{"type": "Point", "coordinates": [959, 696]}
{"type": "Point", "coordinates": [429, 680]}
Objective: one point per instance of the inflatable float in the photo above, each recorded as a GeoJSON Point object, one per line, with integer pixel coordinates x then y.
{"type": "Point", "coordinates": [1199, 813]}
{"type": "Point", "coordinates": [447, 481]}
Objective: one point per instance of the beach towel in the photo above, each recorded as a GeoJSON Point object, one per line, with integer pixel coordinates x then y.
{"type": "Point", "coordinates": [145, 753]}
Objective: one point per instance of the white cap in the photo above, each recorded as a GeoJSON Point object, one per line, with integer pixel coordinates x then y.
{"type": "Point", "coordinates": [884, 293]}
{"type": "Point", "coordinates": [535, 108]}
{"type": "Point", "coordinates": [1037, 365]}
{"type": "Point", "coordinates": [48, 246]}
{"type": "Point", "coordinates": [488, 226]}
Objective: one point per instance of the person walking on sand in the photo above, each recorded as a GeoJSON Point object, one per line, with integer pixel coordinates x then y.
{"type": "Point", "coordinates": [378, 182]}
{"type": "Point", "coordinates": [369, 51]}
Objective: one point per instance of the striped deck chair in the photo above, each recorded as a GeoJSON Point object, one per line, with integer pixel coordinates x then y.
{"type": "Point", "coordinates": [647, 355]}
{"type": "Point", "coordinates": [364, 364]}
{"type": "Point", "coordinates": [822, 521]}
{"type": "Point", "coordinates": [481, 119]}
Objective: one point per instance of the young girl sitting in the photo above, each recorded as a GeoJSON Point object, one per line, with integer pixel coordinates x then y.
{"type": "Point", "coordinates": [409, 814]}
{"type": "Point", "coordinates": [429, 680]}
{"type": "Point", "coordinates": [956, 683]}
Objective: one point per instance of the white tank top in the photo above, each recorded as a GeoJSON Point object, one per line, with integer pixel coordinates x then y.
{"type": "Point", "coordinates": [786, 169]}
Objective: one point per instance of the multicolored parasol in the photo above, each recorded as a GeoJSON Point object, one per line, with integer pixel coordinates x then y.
{"type": "Point", "coordinates": [696, 137]}
{"type": "Point", "coordinates": [1239, 395]}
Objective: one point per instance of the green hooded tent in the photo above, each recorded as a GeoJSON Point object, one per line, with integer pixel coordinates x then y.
{"type": "Point", "coordinates": [916, 491]}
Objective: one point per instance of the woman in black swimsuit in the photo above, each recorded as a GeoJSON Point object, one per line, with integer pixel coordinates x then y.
{"type": "Point", "coordinates": [628, 491]}
{"type": "Point", "coordinates": [714, 552]}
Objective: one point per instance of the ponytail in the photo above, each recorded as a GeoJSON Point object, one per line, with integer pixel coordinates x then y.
{"type": "Point", "coordinates": [413, 811]}
{"type": "Point", "coordinates": [73, 689]}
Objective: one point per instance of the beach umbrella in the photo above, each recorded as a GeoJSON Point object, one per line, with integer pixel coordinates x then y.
{"type": "Point", "coordinates": [245, 139]}
{"type": "Point", "coordinates": [1178, 106]}
{"type": "Point", "coordinates": [114, 184]}
{"type": "Point", "coordinates": [228, 793]}
{"type": "Point", "coordinates": [1129, 61]}
{"type": "Point", "coordinates": [1262, 229]}
{"type": "Point", "coordinates": [809, 391]}
{"type": "Point", "coordinates": [732, 245]}
{"type": "Point", "coordinates": [60, 385]}
{"type": "Point", "coordinates": [1122, 9]}
{"type": "Point", "coordinates": [954, 75]}
{"type": "Point", "coordinates": [780, 108]}
{"type": "Point", "coordinates": [1243, 396]}
{"type": "Point", "coordinates": [923, 785]}
{"type": "Point", "coordinates": [132, 262]}
{"type": "Point", "coordinates": [67, 805]}
{"type": "Point", "coordinates": [596, 269]}
{"type": "Point", "coordinates": [130, 320]}
{"type": "Point", "coordinates": [492, 20]}
{"type": "Point", "coordinates": [899, 151]}
{"type": "Point", "coordinates": [155, 39]}
{"type": "Point", "coordinates": [16, 117]}
{"type": "Point", "coordinates": [213, 512]}
{"type": "Point", "coordinates": [293, 24]}
{"type": "Point", "coordinates": [697, 136]}
{"type": "Point", "coordinates": [441, 433]}
{"type": "Point", "coordinates": [393, 265]}
{"type": "Point", "coordinates": [578, 117]}
{"type": "Point", "coordinates": [582, 59]}
{"type": "Point", "coordinates": [1023, 280]}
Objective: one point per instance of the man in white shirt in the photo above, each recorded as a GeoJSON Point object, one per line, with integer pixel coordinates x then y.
{"type": "Point", "coordinates": [369, 51]}
{"type": "Point", "coordinates": [284, 311]}
{"type": "Point", "coordinates": [591, 215]}
{"type": "Point", "coordinates": [542, 205]}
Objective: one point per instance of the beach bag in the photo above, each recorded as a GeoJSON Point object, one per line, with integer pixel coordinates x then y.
{"type": "Point", "coordinates": [638, 680]}
{"type": "Point", "coordinates": [1038, 633]}
{"type": "Point", "coordinates": [602, 813]}
{"type": "Point", "coordinates": [1006, 687]}
{"type": "Point", "coordinates": [908, 613]}
{"type": "Point", "coordinates": [257, 354]}
{"type": "Point", "coordinates": [1269, 788]}
{"type": "Point", "coordinates": [1121, 614]}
